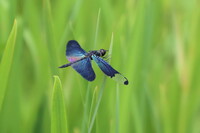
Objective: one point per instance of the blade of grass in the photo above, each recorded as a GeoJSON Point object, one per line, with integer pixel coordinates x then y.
{"type": "Point", "coordinates": [117, 109]}
{"type": "Point", "coordinates": [73, 16]}
{"type": "Point", "coordinates": [97, 28]}
{"type": "Point", "coordinates": [50, 34]}
{"type": "Point", "coordinates": [85, 113]}
{"type": "Point", "coordinates": [97, 105]}
{"type": "Point", "coordinates": [58, 116]}
{"type": "Point", "coordinates": [92, 104]}
{"type": "Point", "coordinates": [111, 47]}
{"type": "Point", "coordinates": [7, 61]}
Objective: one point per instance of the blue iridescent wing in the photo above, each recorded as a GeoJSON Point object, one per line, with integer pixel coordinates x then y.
{"type": "Point", "coordinates": [81, 64]}
{"type": "Point", "coordinates": [84, 68]}
{"type": "Point", "coordinates": [109, 71]}
{"type": "Point", "coordinates": [74, 52]}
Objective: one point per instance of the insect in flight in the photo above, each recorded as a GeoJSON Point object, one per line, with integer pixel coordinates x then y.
{"type": "Point", "coordinates": [80, 60]}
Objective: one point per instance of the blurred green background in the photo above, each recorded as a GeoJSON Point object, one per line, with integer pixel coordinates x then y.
{"type": "Point", "coordinates": [155, 45]}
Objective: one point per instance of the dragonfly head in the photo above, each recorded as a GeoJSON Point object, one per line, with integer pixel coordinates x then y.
{"type": "Point", "coordinates": [102, 52]}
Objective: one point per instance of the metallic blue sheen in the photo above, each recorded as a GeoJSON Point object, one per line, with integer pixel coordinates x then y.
{"type": "Point", "coordinates": [104, 66]}
{"type": "Point", "coordinates": [84, 68]}
{"type": "Point", "coordinates": [74, 49]}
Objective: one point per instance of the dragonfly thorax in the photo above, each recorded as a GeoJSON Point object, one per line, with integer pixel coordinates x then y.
{"type": "Point", "coordinates": [99, 53]}
{"type": "Point", "coordinates": [102, 52]}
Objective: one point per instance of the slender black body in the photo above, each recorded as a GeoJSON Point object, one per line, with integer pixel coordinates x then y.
{"type": "Point", "coordinates": [99, 53]}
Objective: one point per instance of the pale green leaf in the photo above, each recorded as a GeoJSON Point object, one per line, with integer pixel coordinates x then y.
{"type": "Point", "coordinates": [7, 61]}
{"type": "Point", "coordinates": [58, 116]}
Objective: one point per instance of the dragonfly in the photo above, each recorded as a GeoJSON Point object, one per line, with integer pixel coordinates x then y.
{"type": "Point", "coordinates": [80, 60]}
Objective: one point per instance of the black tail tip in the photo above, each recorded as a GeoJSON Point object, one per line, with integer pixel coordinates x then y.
{"type": "Point", "coordinates": [126, 82]}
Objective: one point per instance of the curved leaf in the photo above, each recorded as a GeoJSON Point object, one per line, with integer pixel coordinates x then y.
{"type": "Point", "coordinates": [7, 61]}
{"type": "Point", "coordinates": [58, 116]}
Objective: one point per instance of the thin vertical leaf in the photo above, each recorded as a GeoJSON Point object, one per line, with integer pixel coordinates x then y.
{"type": "Point", "coordinates": [58, 116]}
{"type": "Point", "coordinates": [117, 109]}
{"type": "Point", "coordinates": [92, 103]}
{"type": "Point", "coordinates": [97, 105]}
{"type": "Point", "coordinates": [97, 28]}
{"type": "Point", "coordinates": [85, 112]}
{"type": "Point", "coordinates": [7, 61]}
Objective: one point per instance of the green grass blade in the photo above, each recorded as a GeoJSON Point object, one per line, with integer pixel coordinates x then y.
{"type": "Point", "coordinates": [58, 116]}
{"type": "Point", "coordinates": [85, 112]}
{"type": "Point", "coordinates": [117, 109]}
{"type": "Point", "coordinates": [97, 28]}
{"type": "Point", "coordinates": [93, 102]}
{"type": "Point", "coordinates": [111, 47]}
{"type": "Point", "coordinates": [97, 105]}
{"type": "Point", "coordinates": [7, 61]}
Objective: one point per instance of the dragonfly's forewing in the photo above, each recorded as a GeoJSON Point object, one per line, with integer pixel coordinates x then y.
{"type": "Point", "coordinates": [81, 63]}
{"type": "Point", "coordinates": [74, 52]}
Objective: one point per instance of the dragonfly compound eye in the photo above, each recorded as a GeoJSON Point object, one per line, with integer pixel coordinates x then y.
{"type": "Point", "coordinates": [102, 52]}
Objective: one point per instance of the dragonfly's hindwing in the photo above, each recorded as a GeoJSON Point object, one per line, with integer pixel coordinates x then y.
{"type": "Point", "coordinates": [84, 68]}
{"type": "Point", "coordinates": [109, 71]}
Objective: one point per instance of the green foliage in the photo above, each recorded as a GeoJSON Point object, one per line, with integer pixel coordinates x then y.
{"type": "Point", "coordinates": [58, 116]}
{"type": "Point", "coordinates": [155, 44]}
{"type": "Point", "coordinates": [6, 62]}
